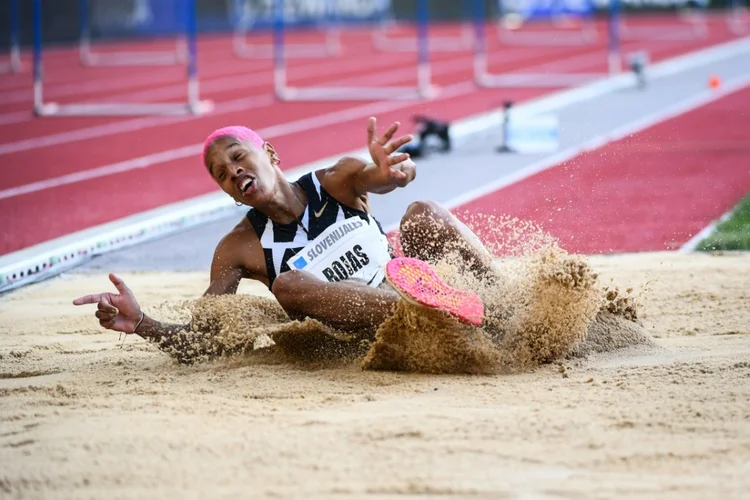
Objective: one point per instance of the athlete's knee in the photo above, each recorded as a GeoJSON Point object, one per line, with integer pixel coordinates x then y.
{"type": "Point", "coordinates": [424, 214]}
{"type": "Point", "coordinates": [423, 211]}
{"type": "Point", "coordinates": [421, 208]}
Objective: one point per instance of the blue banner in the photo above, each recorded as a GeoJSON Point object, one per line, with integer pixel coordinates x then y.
{"type": "Point", "coordinates": [546, 9]}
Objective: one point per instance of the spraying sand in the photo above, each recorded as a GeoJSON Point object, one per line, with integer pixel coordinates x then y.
{"type": "Point", "coordinates": [635, 382]}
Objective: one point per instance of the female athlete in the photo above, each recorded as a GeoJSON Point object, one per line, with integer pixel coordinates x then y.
{"type": "Point", "coordinates": [315, 243]}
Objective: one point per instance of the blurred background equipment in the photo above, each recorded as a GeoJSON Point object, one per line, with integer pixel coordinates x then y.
{"type": "Point", "coordinates": [417, 40]}
{"type": "Point", "coordinates": [546, 23]}
{"type": "Point", "coordinates": [252, 16]}
{"type": "Point", "coordinates": [540, 24]}
{"type": "Point", "coordinates": [119, 20]}
{"type": "Point", "coordinates": [13, 25]}
{"type": "Point", "coordinates": [114, 20]}
{"type": "Point", "coordinates": [637, 62]}
{"type": "Point", "coordinates": [528, 134]}
{"type": "Point", "coordinates": [691, 23]}
{"type": "Point", "coordinates": [432, 135]}
{"type": "Point", "coordinates": [462, 40]}
{"type": "Point", "coordinates": [738, 17]}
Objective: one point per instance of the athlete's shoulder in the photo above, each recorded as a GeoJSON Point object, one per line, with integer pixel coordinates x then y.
{"type": "Point", "coordinates": [243, 232]}
{"type": "Point", "coordinates": [237, 241]}
{"type": "Point", "coordinates": [240, 248]}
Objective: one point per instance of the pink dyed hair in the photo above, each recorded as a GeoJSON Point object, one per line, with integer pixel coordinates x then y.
{"type": "Point", "coordinates": [240, 133]}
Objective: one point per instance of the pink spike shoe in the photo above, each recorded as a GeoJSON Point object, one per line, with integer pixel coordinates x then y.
{"type": "Point", "coordinates": [417, 282]}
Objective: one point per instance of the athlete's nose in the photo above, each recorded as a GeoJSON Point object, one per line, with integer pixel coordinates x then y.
{"type": "Point", "coordinates": [237, 170]}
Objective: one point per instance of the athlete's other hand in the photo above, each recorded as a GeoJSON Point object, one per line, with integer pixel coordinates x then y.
{"type": "Point", "coordinates": [382, 149]}
{"type": "Point", "coordinates": [116, 311]}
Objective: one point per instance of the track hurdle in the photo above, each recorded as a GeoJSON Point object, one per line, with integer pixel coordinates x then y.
{"type": "Point", "coordinates": [285, 92]}
{"type": "Point", "coordinates": [252, 14]}
{"type": "Point", "coordinates": [690, 24]}
{"type": "Point", "coordinates": [483, 77]}
{"type": "Point", "coordinates": [88, 57]}
{"type": "Point", "coordinates": [13, 65]}
{"type": "Point", "coordinates": [738, 18]}
{"type": "Point", "coordinates": [515, 15]}
{"type": "Point", "coordinates": [383, 42]}
{"type": "Point", "coordinates": [193, 105]}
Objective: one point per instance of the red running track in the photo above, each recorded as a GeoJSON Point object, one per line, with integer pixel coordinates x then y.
{"type": "Point", "coordinates": [651, 191]}
{"type": "Point", "coordinates": [143, 163]}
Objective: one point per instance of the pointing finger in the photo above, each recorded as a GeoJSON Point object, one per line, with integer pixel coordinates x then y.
{"type": "Point", "coordinates": [89, 299]}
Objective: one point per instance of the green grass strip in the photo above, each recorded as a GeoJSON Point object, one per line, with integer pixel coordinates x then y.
{"type": "Point", "coordinates": [731, 234]}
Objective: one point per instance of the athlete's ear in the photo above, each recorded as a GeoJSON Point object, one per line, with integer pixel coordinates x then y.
{"type": "Point", "coordinates": [272, 154]}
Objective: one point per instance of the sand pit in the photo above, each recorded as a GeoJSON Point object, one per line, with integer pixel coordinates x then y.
{"type": "Point", "coordinates": [83, 417]}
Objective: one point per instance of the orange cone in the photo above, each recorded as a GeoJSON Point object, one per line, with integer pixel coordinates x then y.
{"type": "Point", "coordinates": [714, 82]}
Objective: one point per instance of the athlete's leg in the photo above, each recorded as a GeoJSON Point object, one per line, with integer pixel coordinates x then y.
{"type": "Point", "coordinates": [345, 305]}
{"type": "Point", "coordinates": [429, 232]}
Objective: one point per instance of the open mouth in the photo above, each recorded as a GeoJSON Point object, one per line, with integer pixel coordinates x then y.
{"type": "Point", "coordinates": [247, 186]}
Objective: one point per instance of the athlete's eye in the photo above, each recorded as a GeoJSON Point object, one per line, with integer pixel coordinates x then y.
{"type": "Point", "coordinates": [238, 157]}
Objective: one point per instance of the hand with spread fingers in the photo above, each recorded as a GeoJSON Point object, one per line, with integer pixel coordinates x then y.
{"type": "Point", "coordinates": [396, 167]}
{"type": "Point", "coordinates": [116, 311]}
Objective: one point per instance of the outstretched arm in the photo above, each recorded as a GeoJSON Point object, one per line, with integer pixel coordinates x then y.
{"type": "Point", "coordinates": [121, 312]}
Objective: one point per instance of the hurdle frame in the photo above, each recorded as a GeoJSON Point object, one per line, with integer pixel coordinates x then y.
{"type": "Point", "coordinates": [13, 65]}
{"type": "Point", "coordinates": [461, 43]}
{"type": "Point", "coordinates": [695, 29]}
{"type": "Point", "coordinates": [484, 79]}
{"type": "Point", "coordinates": [738, 18]}
{"type": "Point", "coordinates": [331, 45]}
{"type": "Point", "coordinates": [193, 106]}
{"type": "Point", "coordinates": [284, 92]}
{"type": "Point", "coordinates": [87, 57]}
{"type": "Point", "coordinates": [587, 35]}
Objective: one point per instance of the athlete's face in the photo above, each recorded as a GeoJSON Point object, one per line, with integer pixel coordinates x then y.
{"type": "Point", "coordinates": [243, 171]}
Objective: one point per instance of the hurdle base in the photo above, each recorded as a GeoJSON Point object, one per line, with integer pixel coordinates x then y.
{"type": "Point", "coordinates": [356, 94]}
{"type": "Point", "coordinates": [52, 109]}
{"type": "Point", "coordinates": [123, 59]}
{"type": "Point", "coordinates": [13, 65]}
{"type": "Point", "coordinates": [535, 80]}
